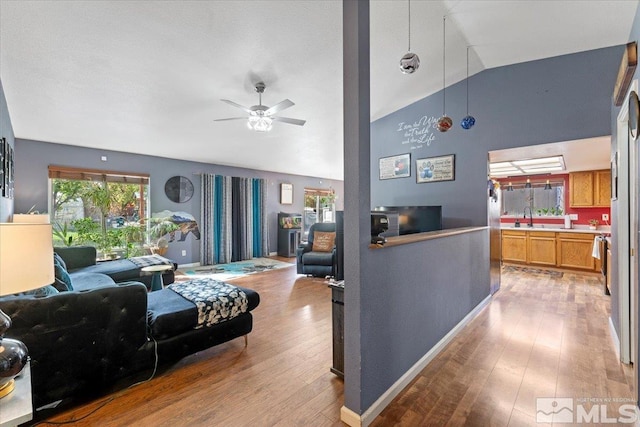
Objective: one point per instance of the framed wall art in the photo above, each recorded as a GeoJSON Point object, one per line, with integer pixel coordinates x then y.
{"type": "Point", "coordinates": [395, 166]}
{"type": "Point", "coordinates": [434, 169]}
{"type": "Point", "coordinates": [286, 194]}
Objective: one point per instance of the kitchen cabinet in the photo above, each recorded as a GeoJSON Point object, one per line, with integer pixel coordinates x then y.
{"type": "Point", "coordinates": [590, 189]}
{"type": "Point", "coordinates": [542, 248]}
{"type": "Point", "coordinates": [575, 250]}
{"type": "Point", "coordinates": [514, 245]}
{"type": "Point", "coordinates": [572, 250]}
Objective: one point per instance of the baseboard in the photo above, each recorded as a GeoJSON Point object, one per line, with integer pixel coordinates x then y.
{"type": "Point", "coordinates": [190, 265]}
{"type": "Point", "coordinates": [354, 420]}
{"type": "Point", "coordinates": [273, 253]}
{"type": "Point", "coordinates": [614, 337]}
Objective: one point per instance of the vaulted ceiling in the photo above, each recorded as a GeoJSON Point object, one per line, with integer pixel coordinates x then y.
{"type": "Point", "coordinates": [147, 76]}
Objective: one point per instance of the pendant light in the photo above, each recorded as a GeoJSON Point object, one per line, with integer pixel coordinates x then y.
{"type": "Point", "coordinates": [528, 184]}
{"type": "Point", "coordinates": [444, 122]}
{"type": "Point", "coordinates": [410, 62]}
{"type": "Point", "coordinates": [547, 186]}
{"type": "Point", "coordinates": [510, 186]}
{"type": "Point", "coordinates": [468, 121]}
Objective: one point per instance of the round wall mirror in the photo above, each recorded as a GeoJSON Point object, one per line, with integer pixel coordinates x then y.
{"type": "Point", "coordinates": [178, 189]}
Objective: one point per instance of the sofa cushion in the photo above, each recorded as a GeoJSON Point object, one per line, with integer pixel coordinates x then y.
{"type": "Point", "coordinates": [119, 270]}
{"type": "Point", "coordinates": [317, 258]}
{"type": "Point", "coordinates": [41, 292]}
{"type": "Point", "coordinates": [169, 314]}
{"type": "Point", "coordinates": [83, 280]}
{"type": "Point", "coordinates": [323, 241]}
{"type": "Point", "coordinates": [63, 281]}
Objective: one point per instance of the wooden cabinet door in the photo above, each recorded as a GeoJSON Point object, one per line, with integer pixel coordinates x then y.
{"type": "Point", "coordinates": [602, 188]}
{"type": "Point", "coordinates": [574, 250]}
{"type": "Point", "coordinates": [581, 185]}
{"type": "Point", "coordinates": [514, 246]}
{"type": "Point", "coordinates": [542, 248]}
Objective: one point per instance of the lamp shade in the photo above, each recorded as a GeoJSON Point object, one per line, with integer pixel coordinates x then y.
{"type": "Point", "coordinates": [26, 257]}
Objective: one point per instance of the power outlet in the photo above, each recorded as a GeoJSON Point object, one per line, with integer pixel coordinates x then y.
{"type": "Point", "coordinates": [573, 217]}
{"type": "Point", "coordinates": [605, 217]}
{"type": "Point", "coordinates": [184, 252]}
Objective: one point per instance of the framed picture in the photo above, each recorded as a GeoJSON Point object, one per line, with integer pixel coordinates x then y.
{"type": "Point", "coordinates": [286, 194]}
{"type": "Point", "coordinates": [614, 177]}
{"type": "Point", "coordinates": [434, 169]}
{"type": "Point", "coordinates": [395, 166]}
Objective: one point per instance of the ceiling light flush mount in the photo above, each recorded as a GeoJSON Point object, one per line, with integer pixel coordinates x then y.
{"type": "Point", "coordinates": [467, 121]}
{"type": "Point", "coordinates": [444, 122]}
{"type": "Point", "coordinates": [409, 62]}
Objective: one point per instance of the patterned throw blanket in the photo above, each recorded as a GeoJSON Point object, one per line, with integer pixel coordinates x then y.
{"type": "Point", "coordinates": [148, 260]}
{"type": "Point", "coordinates": [216, 301]}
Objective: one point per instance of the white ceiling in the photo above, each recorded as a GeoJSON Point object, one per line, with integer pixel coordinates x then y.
{"type": "Point", "coordinates": [147, 76]}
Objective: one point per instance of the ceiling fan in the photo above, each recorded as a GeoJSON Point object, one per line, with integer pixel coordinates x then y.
{"type": "Point", "coordinates": [260, 116]}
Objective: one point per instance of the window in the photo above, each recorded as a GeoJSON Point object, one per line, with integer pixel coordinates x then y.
{"type": "Point", "coordinates": [102, 208]}
{"type": "Point", "coordinates": [319, 206]}
{"type": "Point", "coordinates": [544, 202]}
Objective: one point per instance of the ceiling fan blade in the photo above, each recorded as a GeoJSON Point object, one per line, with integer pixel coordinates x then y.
{"type": "Point", "coordinates": [235, 104]}
{"type": "Point", "coordinates": [279, 107]}
{"type": "Point", "coordinates": [290, 120]}
{"type": "Point", "coordinates": [230, 118]}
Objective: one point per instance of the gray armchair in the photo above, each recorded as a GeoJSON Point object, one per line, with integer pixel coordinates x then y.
{"type": "Point", "coordinates": [318, 264]}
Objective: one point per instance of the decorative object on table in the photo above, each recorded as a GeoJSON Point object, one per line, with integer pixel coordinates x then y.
{"type": "Point", "coordinates": [410, 61]}
{"type": "Point", "coordinates": [395, 166]}
{"type": "Point", "coordinates": [261, 117]}
{"type": "Point", "coordinates": [625, 73]}
{"type": "Point", "coordinates": [433, 169]}
{"type": "Point", "coordinates": [444, 122]}
{"type": "Point", "coordinates": [26, 264]}
{"type": "Point", "coordinates": [634, 115]}
{"type": "Point", "coordinates": [467, 121]}
{"type": "Point", "coordinates": [179, 189]}
{"type": "Point", "coordinates": [593, 224]}
{"type": "Point", "coordinates": [286, 193]}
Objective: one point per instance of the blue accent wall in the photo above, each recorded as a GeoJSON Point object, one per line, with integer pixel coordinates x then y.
{"type": "Point", "coordinates": [6, 131]}
{"type": "Point", "coordinates": [410, 296]}
{"type": "Point", "coordinates": [34, 157]}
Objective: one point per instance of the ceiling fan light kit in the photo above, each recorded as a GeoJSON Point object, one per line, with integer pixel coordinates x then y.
{"type": "Point", "coordinates": [410, 61]}
{"type": "Point", "coordinates": [260, 117]}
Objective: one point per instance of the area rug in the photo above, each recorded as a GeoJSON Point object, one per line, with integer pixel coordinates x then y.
{"type": "Point", "coordinates": [232, 270]}
{"type": "Point", "coordinates": [514, 269]}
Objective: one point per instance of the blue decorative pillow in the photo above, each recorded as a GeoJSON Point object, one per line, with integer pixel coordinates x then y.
{"type": "Point", "coordinates": [57, 259]}
{"type": "Point", "coordinates": [63, 280]}
{"type": "Point", "coordinates": [42, 292]}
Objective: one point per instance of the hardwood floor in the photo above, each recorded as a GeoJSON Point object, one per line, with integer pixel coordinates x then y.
{"type": "Point", "coordinates": [541, 336]}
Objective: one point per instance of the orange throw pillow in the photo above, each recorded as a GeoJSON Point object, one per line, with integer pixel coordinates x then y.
{"type": "Point", "coordinates": [323, 241]}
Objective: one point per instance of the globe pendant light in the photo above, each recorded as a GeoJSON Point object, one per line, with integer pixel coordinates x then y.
{"type": "Point", "coordinates": [468, 121]}
{"type": "Point", "coordinates": [410, 62]}
{"type": "Point", "coordinates": [444, 122]}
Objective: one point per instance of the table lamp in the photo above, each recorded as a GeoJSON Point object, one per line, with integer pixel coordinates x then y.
{"type": "Point", "coordinates": [26, 263]}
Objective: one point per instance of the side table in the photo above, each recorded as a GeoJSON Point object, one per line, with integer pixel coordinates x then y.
{"type": "Point", "coordinates": [156, 278]}
{"type": "Point", "coordinates": [16, 407]}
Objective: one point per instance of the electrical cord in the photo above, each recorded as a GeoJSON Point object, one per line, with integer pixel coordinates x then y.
{"type": "Point", "coordinates": [112, 398]}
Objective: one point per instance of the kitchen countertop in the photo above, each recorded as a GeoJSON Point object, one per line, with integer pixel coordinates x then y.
{"type": "Point", "coordinates": [556, 228]}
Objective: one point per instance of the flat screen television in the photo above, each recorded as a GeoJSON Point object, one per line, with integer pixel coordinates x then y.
{"type": "Point", "coordinates": [415, 219]}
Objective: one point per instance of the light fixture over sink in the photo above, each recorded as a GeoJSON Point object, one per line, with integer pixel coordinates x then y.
{"type": "Point", "coordinates": [553, 164]}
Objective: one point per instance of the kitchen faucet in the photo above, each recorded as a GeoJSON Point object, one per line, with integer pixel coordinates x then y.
{"type": "Point", "coordinates": [530, 224]}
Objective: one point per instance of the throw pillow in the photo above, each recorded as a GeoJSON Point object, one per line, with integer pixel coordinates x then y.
{"type": "Point", "coordinates": [42, 292]}
{"type": "Point", "coordinates": [63, 280]}
{"type": "Point", "coordinates": [57, 259]}
{"type": "Point", "coordinates": [323, 241]}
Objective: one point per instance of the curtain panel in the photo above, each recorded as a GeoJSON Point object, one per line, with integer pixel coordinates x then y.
{"type": "Point", "coordinates": [234, 222]}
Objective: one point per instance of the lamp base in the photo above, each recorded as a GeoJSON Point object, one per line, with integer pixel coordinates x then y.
{"type": "Point", "coordinates": [7, 388]}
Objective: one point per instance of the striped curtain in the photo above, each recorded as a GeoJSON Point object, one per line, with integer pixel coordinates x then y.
{"type": "Point", "coordinates": [234, 220]}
